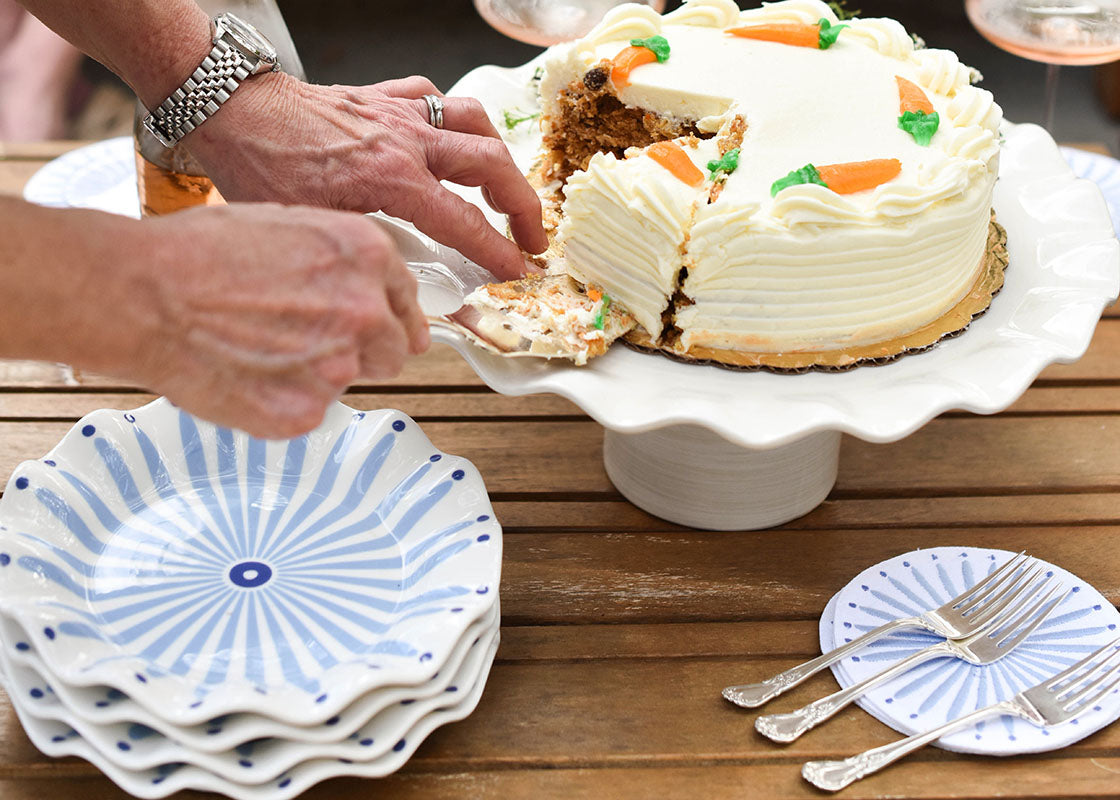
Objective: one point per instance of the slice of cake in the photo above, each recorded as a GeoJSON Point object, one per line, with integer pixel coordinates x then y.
{"type": "Point", "coordinates": [770, 181]}
{"type": "Point", "coordinates": [549, 316]}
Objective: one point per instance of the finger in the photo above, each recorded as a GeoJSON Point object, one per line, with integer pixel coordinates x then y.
{"type": "Point", "coordinates": [337, 370]}
{"type": "Point", "coordinates": [402, 291]}
{"type": "Point", "coordinates": [280, 409]}
{"type": "Point", "coordinates": [467, 115]}
{"type": "Point", "coordinates": [405, 302]}
{"type": "Point", "coordinates": [413, 87]}
{"type": "Point", "coordinates": [451, 220]}
{"type": "Point", "coordinates": [474, 161]}
{"type": "Point", "coordinates": [384, 349]}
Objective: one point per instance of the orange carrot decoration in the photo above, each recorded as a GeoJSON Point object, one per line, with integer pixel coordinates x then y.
{"type": "Point", "coordinates": [795, 33]}
{"type": "Point", "coordinates": [854, 176]}
{"type": "Point", "coordinates": [625, 62]}
{"type": "Point", "coordinates": [917, 116]}
{"type": "Point", "coordinates": [672, 157]}
{"type": "Point", "coordinates": [820, 36]}
{"type": "Point", "coordinates": [858, 176]}
{"type": "Point", "coordinates": [911, 97]}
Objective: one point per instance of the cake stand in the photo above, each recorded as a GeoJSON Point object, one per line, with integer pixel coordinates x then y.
{"type": "Point", "coordinates": [723, 450]}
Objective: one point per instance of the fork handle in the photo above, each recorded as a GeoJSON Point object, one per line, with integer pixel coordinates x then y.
{"type": "Point", "coordinates": [751, 695]}
{"type": "Point", "coordinates": [787, 727]}
{"type": "Point", "coordinates": [835, 775]}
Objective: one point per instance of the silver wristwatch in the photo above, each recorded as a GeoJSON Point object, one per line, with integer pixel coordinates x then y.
{"type": "Point", "coordinates": [240, 50]}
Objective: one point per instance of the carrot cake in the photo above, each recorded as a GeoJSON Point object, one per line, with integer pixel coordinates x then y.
{"type": "Point", "coordinates": [772, 180]}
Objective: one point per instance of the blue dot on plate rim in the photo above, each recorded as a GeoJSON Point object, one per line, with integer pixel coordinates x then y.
{"type": "Point", "coordinates": [88, 430]}
{"type": "Point", "coordinates": [22, 482]}
{"type": "Point", "coordinates": [398, 425]}
{"type": "Point", "coordinates": [458, 475]}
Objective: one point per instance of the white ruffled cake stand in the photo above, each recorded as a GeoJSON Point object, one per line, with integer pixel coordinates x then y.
{"type": "Point", "coordinates": [724, 450]}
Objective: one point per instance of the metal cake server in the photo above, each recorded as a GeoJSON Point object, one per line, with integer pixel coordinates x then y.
{"type": "Point", "coordinates": [445, 278]}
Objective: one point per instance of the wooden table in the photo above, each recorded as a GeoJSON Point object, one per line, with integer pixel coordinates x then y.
{"type": "Point", "coordinates": [620, 629]}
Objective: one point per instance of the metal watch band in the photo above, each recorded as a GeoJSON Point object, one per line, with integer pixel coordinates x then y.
{"type": "Point", "coordinates": [201, 94]}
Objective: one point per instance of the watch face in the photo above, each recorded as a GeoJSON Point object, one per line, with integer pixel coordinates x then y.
{"type": "Point", "coordinates": [249, 37]}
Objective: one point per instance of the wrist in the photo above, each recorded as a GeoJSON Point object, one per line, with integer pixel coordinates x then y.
{"type": "Point", "coordinates": [182, 41]}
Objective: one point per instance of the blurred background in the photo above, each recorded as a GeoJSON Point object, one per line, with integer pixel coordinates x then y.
{"type": "Point", "coordinates": [362, 41]}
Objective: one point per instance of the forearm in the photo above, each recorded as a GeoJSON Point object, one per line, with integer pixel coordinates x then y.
{"type": "Point", "coordinates": [153, 45]}
{"type": "Point", "coordinates": [74, 288]}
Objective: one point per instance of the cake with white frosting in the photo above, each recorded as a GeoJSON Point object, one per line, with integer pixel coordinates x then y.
{"type": "Point", "coordinates": [773, 180]}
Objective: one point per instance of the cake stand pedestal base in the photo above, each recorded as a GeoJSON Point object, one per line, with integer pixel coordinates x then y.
{"type": "Point", "coordinates": [689, 475]}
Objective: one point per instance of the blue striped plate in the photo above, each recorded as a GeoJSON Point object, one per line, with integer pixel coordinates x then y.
{"type": "Point", "coordinates": [948, 688]}
{"type": "Point", "coordinates": [203, 572]}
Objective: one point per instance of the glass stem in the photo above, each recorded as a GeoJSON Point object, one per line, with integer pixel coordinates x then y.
{"type": "Point", "coordinates": [1051, 96]}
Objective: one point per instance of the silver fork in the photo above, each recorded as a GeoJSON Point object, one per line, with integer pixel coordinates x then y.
{"type": "Point", "coordinates": [991, 644]}
{"type": "Point", "coordinates": [964, 615]}
{"type": "Point", "coordinates": [1056, 700]}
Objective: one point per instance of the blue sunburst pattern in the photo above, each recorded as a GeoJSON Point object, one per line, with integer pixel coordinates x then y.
{"type": "Point", "coordinates": [151, 548]}
{"type": "Point", "coordinates": [946, 688]}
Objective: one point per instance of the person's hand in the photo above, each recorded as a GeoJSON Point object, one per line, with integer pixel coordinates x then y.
{"type": "Point", "coordinates": [371, 148]}
{"type": "Point", "coordinates": [266, 314]}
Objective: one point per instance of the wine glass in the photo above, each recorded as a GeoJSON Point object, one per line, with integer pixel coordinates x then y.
{"type": "Point", "coordinates": [548, 22]}
{"type": "Point", "coordinates": [1054, 32]}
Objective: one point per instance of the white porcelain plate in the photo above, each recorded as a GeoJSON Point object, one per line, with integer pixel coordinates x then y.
{"type": "Point", "coordinates": [202, 572]}
{"type": "Point", "coordinates": [136, 748]}
{"type": "Point", "coordinates": [101, 175]}
{"type": "Point", "coordinates": [1065, 268]}
{"type": "Point", "coordinates": [947, 688]}
{"type": "Point", "coordinates": [59, 739]}
{"type": "Point", "coordinates": [118, 719]}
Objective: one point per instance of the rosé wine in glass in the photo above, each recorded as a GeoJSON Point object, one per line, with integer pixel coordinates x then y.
{"type": "Point", "coordinates": [548, 22]}
{"type": "Point", "coordinates": [1051, 31]}
{"type": "Point", "coordinates": [1054, 32]}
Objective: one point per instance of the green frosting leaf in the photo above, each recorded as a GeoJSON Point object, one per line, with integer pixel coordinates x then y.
{"type": "Point", "coordinates": [828, 33]}
{"type": "Point", "coordinates": [726, 165]}
{"type": "Point", "coordinates": [920, 125]}
{"type": "Point", "coordinates": [658, 45]}
{"type": "Point", "coordinates": [512, 119]}
{"type": "Point", "coordinates": [601, 317]}
{"type": "Point", "coordinates": [807, 174]}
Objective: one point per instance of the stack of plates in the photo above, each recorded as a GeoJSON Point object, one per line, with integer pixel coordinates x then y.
{"type": "Point", "coordinates": [188, 607]}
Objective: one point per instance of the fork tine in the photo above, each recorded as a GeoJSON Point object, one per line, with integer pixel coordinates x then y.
{"type": "Point", "coordinates": [1013, 608]}
{"type": "Point", "coordinates": [1025, 583]}
{"type": "Point", "coordinates": [984, 588]}
{"type": "Point", "coordinates": [1070, 670]}
{"type": "Point", "coordinates": [1105, 668]}
{"type": "Point", "coordinates": [1013, 634]}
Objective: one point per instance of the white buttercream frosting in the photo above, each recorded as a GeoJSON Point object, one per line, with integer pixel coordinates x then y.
{"type": "Point", "coordinates": [809, 268]}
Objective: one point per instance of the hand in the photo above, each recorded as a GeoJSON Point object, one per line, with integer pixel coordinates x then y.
{"type": "Point", "coordinates": [266, 314]}
{"type": "Point", "coordinates": [371, 148]}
